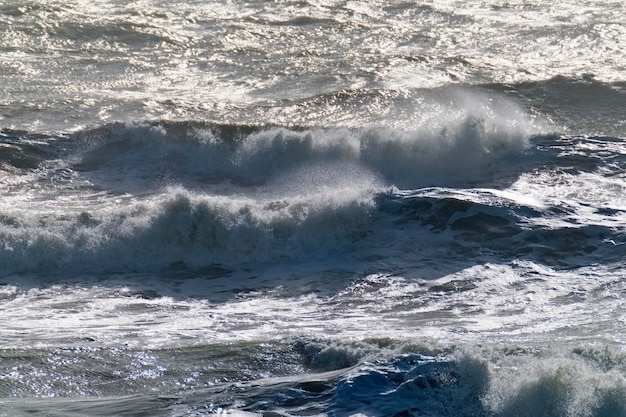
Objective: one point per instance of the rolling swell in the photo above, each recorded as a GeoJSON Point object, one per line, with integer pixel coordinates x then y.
{"type": "Point", "coordinates": [145, 197]}
{"type": "Point", "coordinates": [517, 383]}
{"type": "Point", "coordinates": [486, 224]}
{"type": "Point", "coordinates": [459, 151]}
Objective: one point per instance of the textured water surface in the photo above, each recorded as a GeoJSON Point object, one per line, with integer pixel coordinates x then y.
{"type": "Point", "coordinates": [312, 208]}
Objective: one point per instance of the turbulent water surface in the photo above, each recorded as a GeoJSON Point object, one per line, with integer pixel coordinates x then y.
{"type": "Point", "coordinates": [378, 208]}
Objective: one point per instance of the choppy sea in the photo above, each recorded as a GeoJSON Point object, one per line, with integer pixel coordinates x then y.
{"type": "Point", "coordinates": [319, 207]}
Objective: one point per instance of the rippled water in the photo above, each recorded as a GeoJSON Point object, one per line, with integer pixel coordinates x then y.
{"type": "Point", "coordinates": [312, 208]}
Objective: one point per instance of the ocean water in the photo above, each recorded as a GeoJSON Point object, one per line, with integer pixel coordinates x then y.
{"type": "Point", "coordinates": [321, 207]}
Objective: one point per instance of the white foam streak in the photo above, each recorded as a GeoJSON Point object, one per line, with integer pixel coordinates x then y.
{"type": "Point", "coordinates": [486, 302]}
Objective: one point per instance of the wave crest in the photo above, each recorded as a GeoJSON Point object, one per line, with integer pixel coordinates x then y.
{"type": "Point", "coordinates": [462, 150]}
{"type": "Point", "coordinates": [182, 226]}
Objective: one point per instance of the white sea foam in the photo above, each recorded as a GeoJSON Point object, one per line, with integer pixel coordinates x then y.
{"type": "Point", "coordinates": [576, 384]}
{"type": "Point", "coordinates": [312, 207]}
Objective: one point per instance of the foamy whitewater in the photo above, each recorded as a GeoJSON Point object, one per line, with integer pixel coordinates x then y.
{"type": "Point", "coordinates": [296, 208]}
